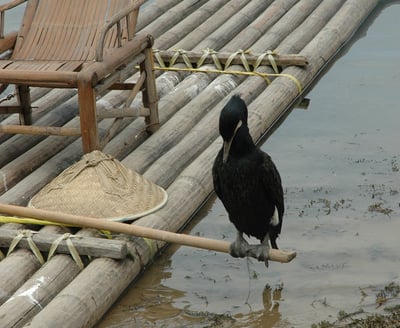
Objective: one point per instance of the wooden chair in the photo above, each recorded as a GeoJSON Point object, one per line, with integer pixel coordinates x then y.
{"type": "Point", "coordinates": [85, 44]}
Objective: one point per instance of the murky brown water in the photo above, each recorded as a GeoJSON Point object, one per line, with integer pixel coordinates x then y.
{"type": "Point", "coordinates": [340, 163]}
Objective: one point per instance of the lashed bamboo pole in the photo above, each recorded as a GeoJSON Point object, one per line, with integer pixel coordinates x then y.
{"type": "Point", "coordinates": [96, 247]}
{"type": "Point", "coordinates": [223, 57]}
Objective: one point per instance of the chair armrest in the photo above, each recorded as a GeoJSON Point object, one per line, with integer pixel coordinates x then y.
{"type": "Point", "coordinates": [3, 8]}
{"type": "Point", "coordinates": [11, 4]}
{"type": "Point", "coordinates": [114, 20]}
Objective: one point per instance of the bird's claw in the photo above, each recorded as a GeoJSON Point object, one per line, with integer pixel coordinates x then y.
{"type": "Point", "coordinates": [260, 252]}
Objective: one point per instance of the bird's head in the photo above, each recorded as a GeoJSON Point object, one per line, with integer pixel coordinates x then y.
{"type": "Point", "coordinates": [233, 116]}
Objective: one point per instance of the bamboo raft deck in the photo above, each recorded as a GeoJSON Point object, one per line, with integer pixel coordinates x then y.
{"type": "Point", "coordinates": [178, 156]}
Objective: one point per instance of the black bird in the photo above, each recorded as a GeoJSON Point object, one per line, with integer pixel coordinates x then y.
{"type": "Point", "coordinates": [248, 184]}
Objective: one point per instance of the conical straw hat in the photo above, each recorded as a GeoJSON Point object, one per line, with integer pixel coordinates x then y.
{"type": "Point", "coordinates": [100, 186]}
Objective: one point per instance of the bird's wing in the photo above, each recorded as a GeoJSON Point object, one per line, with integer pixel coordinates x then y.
{"type": "Point", "coordinates": [215, 174]}
{"type": "Point", "coordinates": [272, 183]}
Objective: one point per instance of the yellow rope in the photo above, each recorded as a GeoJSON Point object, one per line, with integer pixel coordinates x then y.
{"type": "Point", "coordinates": [152, 246]}
{"type": "Point", "coordinates": [12, 219]}
{"type": "Point", "coordinates": [252, 73]}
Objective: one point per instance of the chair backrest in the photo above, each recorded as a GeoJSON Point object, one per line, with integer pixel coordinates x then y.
{"type": "Point", "coordinates": [65, 30]}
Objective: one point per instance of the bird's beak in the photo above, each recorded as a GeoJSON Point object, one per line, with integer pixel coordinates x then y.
{"type": "Point", "coordinates": [227, 144]}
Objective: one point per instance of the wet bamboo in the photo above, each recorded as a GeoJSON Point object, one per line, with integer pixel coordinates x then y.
{"type": "Point", "coordinates": [37, 291]}
{"type": "Point", "coordinates": [18, 267]}
{"type": "Point", "coordinates": [23, 264]}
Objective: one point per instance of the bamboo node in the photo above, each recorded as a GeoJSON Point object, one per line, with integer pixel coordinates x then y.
{"type": "Point", "coordinates": [26, 234]}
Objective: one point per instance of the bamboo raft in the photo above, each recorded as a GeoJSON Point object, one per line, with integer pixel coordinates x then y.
{"type": "Point", "coordinates": [178, 156]}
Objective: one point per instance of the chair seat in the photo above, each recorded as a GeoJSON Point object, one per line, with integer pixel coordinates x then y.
{"type": "Point", "coordinates": [41, 65]}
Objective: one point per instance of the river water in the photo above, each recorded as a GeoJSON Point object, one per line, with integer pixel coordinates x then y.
{"type": "Point", "coordinates": [339, 161]}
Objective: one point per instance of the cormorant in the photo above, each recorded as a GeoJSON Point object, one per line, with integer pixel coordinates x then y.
{"type": "Point", "coordinates": [248, 184]}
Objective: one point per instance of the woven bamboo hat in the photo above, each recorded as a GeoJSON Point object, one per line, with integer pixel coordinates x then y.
{"type": "Point", "coordinates": [100, 186]}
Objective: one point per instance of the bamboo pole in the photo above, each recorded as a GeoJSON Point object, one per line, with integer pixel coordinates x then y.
{"type": "Point", "coordinates": [131, 229]}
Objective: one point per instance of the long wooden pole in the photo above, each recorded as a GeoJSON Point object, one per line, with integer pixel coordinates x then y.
{"type": "Point", "coordinates": [136, 230]}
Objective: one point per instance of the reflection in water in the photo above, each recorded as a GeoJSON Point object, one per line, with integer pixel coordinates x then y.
{"type": "Point", "coordinates": [269, 315]}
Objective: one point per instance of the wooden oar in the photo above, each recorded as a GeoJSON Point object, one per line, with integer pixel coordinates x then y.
{"type": "Point", "coordinates": [136, 230]}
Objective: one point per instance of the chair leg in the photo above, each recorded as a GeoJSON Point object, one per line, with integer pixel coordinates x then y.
{"type": "Point", "coordinates": [24, 99]}
{"type": "Point", "coordinates": [88, 117]}
{"type": "Point", "coordinates": [149, 93]}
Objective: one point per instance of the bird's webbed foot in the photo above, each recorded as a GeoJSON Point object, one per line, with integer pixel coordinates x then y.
{"type": "Point", "coordinates": [240, 247]}
{"type": "Point", "coordinates": [261, 252]}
